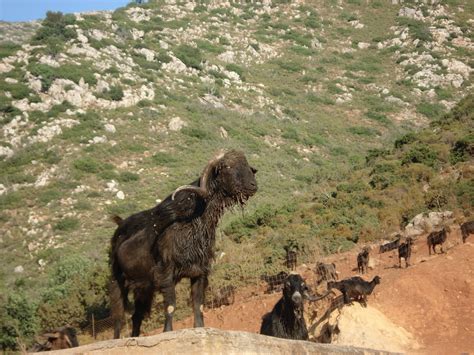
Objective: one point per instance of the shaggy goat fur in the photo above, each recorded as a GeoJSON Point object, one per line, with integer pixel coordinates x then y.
{"type": "Point", "coordinates": [154, 249]}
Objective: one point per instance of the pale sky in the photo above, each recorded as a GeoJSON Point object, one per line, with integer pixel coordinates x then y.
{"type": "Point", "coordinates": [25, 10]}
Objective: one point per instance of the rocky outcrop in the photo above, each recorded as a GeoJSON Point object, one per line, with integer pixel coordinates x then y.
{"type": "Point", "coordinates": [213, 341]}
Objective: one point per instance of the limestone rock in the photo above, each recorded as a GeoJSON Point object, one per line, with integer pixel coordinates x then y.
{"type": "Point", "coordinates": [213, 341]}
{"type": "Point", "coordinates": [176, 124]}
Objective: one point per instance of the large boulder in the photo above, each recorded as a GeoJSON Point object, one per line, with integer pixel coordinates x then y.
{"type": "Point", "coordinates": [427, 222]}
{"type": "Point", "coordinates": [212, 341]}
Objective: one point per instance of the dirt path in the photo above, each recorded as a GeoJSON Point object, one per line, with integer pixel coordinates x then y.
{"type": "Point", "coordinates": [433, 299]}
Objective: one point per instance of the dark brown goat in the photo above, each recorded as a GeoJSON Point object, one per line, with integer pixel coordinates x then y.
{"type": "Point", "coordinates": [404, 251]}
{"type": "Point", "coordinates": [391, 245]}
{"type": "Point", "coordinates": [466, 229]}
{"type": "Point", "coordinates": [363, 260]}
{"type": "Point", "coordinates": [355, 288]}
{"type": "Point", "coordinates": [61, 338]}
{"type": "Point", "coordinates": [437, 238]}
{"type": "Point", "coordinates": [153, 250]}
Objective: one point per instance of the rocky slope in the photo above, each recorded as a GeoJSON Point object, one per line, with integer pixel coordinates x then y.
{"type": "Point", "coordinates": [109, 112]}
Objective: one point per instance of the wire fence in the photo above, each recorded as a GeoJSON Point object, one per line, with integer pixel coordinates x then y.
{"type": "Point", "coordinates": [216, 296]}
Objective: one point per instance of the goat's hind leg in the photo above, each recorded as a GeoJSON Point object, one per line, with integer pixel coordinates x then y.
{"type": "Point", "coordinates": [143, 301]}
{"type": "Point", "coordinates": [117, 306]}
{"type": "Point", "coordinates": [198, 289]}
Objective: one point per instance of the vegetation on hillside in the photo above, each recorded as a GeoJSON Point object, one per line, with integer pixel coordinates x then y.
{"type": "Point", "coordinates": [311, 92]}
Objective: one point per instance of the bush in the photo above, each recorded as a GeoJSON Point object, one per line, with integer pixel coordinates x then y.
{"type": "Point", "coordinates": [115, 93]}
{"type": "Point", "coordinates": [406, 139]}
{"type": "Point", "coordinates": [55, 26]}
{"type": "Point", "coordinates": [462, 149]}
{"type": "Point", "coordinates": [71, 72]}
{"type": "Point", "coordinates": [18, 321]}
{"type": "Point", "coordinates": [421, 154]}
{"type": "Point", "coordinates": [432, 111]}
{"type": "Point", "coordinates": [8, 48]}
{"type": "Point", "coordinates": [67, 224]}
{"type": "Point", "coordinates": [77, 287]}
{"type": "Point", "coordinates": [190, 56]}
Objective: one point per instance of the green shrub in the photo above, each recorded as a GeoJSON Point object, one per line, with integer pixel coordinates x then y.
{"type": "Point", "coordinates": [60, 108]}
{"type": "Point", "coordinates": [127, 176]}
{"type": "Point", "coordinates": [115, 93]}
{"type": "Point", "coordinates": [91, 165]}
{"type": "Point", "coordinates": [67, 224]}
{"type": "Point", "coordinates": [72, 72]}
{"type": "Point", "coordinates": [363, 131]}
{"type": "Point", "coordinates": [18, 321]}
{"type": "Point", "coordinates": [55, 25]}
{"type": "Point", "coordinates": [8, 48]}
{"type": "Point", "coordinates": [463, 149]}
{"type": "Point", "coordinates": [432, 111]}
{"type": "Point", "coordinates": [406, 139]}
{"type": "Point", "coordinates": [77, 287]}
{"type": "Point", "coordinates": [418, 29]}
{"type": "Point", "coordinates": [190, 56]}
{"type": "Point", "coordinates": [161, 158]}
{"type": "Point", "coordinates": [421, 154]}
{"type": "Point", "coordinates": [18, 91]}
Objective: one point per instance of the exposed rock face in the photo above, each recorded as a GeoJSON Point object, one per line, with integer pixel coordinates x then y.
{"type": "Point", "coordinates": [212, 341]}
{"type": "Point", "coordinates": [422, 223]}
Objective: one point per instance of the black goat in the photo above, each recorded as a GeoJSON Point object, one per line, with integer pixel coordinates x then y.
{"type": "Point", "coordinates": [363, 260]}
{"type": "Point", "coordinates": [466, 229]}
{"type": "Point", "coordinates": [275, 282]}
{"type": "Point", "coordinates": [325, 272]}
{"type": "Point", "coordinates": [60, 338]}
{"type": "Point", "coordinates": [391, 245]}
{"type": "Point", "coordinates": [355, 288]}
{"type": "Point", "coordinates": [286, 320]}
{"type": "Point", "coordinates": [153, 250]}
{"type": "Point", "coordinates": [437, 238]}
{"type": "Point", "coordinates": [224, 296]}
{"type": "Point", "coordinates": [404, 251]}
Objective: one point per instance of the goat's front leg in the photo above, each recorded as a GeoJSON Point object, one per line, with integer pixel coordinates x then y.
{"type": "Point", "coordinates": [198, 289]}
{"type": "Point", "coordinates": [169, 297]}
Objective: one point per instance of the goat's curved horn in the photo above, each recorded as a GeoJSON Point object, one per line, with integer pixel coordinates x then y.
{"type": "Point", "coordinates": [315, 298]}
{"type": "Point", "coordinates": [202, 188]}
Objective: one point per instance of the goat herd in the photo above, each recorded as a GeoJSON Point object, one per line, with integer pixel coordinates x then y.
{"type": "Point", "coordinates": [152, 250]}
{"type": "Point", "coordinates": [286, 319]}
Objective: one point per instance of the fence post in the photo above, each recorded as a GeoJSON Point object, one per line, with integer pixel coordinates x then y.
{"type": "Point", "coordinates": [93, 327]}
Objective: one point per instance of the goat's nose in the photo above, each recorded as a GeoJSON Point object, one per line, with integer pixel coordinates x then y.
{"type": "Point", "coordinates": [296, 297]}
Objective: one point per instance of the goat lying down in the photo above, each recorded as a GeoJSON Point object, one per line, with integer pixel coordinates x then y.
{"type": "Point", "coordinates": [286, 319]}
{"type": "Point", "coordinates": [60, 338]}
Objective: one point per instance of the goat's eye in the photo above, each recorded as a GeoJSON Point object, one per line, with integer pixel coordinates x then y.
{"type": "Point", "coordinates": [288, 284]}
{"type": "Point", "coordinates": [227, 167]}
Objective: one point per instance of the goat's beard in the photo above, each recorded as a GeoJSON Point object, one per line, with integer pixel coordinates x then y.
{"type": "Point", "coordinates": [298, 311]}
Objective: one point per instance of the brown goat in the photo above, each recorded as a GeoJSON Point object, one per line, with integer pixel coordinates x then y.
{"type": "Point", "coordinates": [60, 338]}
{"type": "Point", "coordinates": [154, 249]}
{"type": "Point", "coordinates": [466, 229]}
{"type": "Point", "coordinates": [437, 238]}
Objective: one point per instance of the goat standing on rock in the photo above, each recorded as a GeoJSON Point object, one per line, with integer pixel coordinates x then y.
{"type": "Point", "coordinates": [355, 288]}
{"type": "Point", "coordinates": [286, 320]}
{"type": "Point", "coordinates": [154, 249]}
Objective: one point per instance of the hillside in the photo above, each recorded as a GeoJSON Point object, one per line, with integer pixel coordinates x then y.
{"type": "Point", "coordinates": [340, 106]}
{"type": "Point", "coordinates": [431, 300]}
